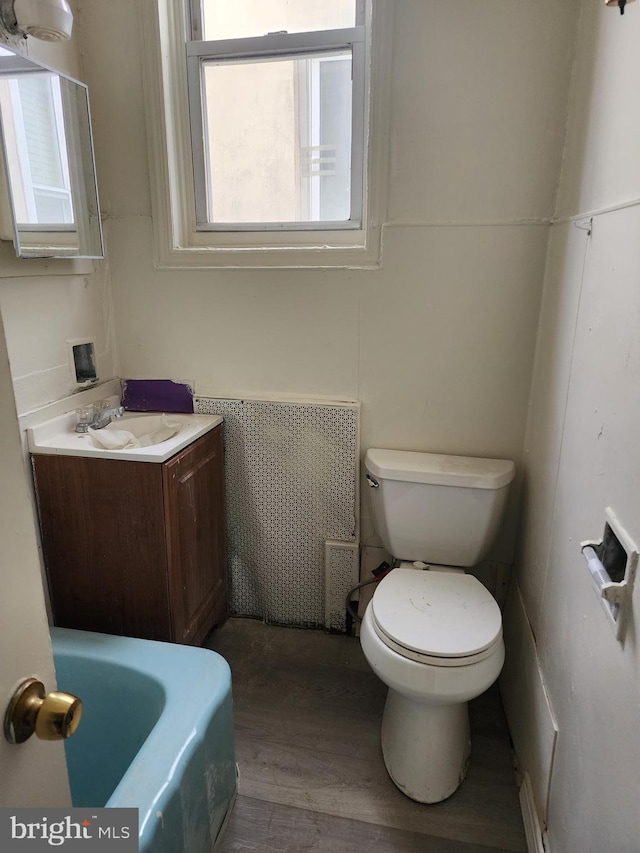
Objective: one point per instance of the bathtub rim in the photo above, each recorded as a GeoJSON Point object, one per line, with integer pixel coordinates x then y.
{"type": "Point", "coordinates": [206, 678]}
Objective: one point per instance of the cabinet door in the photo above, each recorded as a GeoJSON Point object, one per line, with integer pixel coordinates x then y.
{"type": "Point", "coordinates": [103, 538]}
{"type": "Point", "coordinates": [194, 514]}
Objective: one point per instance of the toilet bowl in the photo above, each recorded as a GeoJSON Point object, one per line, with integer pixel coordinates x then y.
{"type": "Point", "coordinates": [431, 674]}
{"type": "Point", "coordinates": [432, 633]}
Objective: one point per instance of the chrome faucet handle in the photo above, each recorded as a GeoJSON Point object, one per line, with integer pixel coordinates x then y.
{"type": "Point", "coordinates": [104, 416]}
{"type": "Point", "coordinates": [96, 416]}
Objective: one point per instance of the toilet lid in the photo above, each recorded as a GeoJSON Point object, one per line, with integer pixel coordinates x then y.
{"type": "Point", "coordinates": [437, 613]}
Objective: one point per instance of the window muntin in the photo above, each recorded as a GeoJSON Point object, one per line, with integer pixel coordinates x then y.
{"type": "Point", "coordinates": [277, 130]}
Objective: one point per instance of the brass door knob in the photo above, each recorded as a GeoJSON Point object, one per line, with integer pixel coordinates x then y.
{"type": "Point", "coordinates": [52, 716]}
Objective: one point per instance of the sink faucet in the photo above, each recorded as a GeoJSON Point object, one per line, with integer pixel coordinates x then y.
{"type": "Point", "coordinates": [100, 419]}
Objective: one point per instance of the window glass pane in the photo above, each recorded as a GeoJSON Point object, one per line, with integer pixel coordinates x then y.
{"type": "Point", "coordinates": [278, 138]}
{"type": "Point", "coordinates": [223, 19]}
{"type": "Point", "coordinates": [334, 134]}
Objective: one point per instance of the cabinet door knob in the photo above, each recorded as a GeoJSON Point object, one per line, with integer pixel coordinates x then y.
{"type": "Point", "coordinates": [51, 716]}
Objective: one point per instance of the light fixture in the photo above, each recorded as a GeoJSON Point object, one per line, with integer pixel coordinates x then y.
{"type": "Point", "coordinates": [619, 3]}
{"type": "Point", "coordinates": [50, 20]}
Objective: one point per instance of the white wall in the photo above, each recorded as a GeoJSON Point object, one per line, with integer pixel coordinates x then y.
{"type": "Point", "coordinates": [46, 303]}
{"type": "Point", "coordinates": [41, 313]}
{"type": "Point", "coordinates": [582, 449]}
{"type": "Point", "coordinates": [438, 343]}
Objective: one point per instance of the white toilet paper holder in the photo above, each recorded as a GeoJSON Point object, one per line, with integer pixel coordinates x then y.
{"type": "Point", "coordinates": [612, 562]}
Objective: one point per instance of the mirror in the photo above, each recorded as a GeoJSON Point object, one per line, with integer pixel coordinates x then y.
{"type": "Point", "coordinates": [49, 201]}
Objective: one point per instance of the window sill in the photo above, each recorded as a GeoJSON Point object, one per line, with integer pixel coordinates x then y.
{"type": "Point", "coordinates": [263, 257]}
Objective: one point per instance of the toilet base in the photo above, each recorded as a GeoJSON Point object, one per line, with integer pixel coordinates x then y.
{"type": "Point", "coordinates": [426, 748]}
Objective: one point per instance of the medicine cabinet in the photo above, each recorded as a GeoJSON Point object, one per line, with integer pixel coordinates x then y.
{"type": "Point", "coordinates": [48, 194]}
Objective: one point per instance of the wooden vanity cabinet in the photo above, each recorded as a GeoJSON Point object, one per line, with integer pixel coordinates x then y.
{"type": "Point", "coordinates": [136, 548]}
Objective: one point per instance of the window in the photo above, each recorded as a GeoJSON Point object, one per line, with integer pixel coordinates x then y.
{"type": "Point", "coordinates": [261, 133]}
{"type": "Point", "coordinates": [277, 118]}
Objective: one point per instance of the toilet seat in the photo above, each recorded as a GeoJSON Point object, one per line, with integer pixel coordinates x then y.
{"type": "Point", "coordinates": [439, 618]}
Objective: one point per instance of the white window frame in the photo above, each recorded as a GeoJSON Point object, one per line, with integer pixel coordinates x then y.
{"type": "Point", "coordinates": [179, 243]}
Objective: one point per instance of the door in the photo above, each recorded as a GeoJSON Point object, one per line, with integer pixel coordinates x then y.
{"type": "Point", "coordinates": [33, 773]}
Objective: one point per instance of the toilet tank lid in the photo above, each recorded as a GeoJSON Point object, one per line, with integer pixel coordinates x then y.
{"type": "Point", "coordinates": [439, 469]}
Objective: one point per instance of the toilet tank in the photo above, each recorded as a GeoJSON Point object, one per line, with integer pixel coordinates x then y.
{"type": "Point", "coordinates": [437, 508]}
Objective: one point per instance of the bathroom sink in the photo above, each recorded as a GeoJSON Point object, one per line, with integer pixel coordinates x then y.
{"type": "Point", "coordinates": [58, 436]}
{"type": "Point", "coordinates": [135, 432]}
{"type": "Point", "coordinates": [141, 425]}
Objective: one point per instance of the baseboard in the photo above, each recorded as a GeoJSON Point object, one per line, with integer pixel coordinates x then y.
{"type": "Point", "coordinates": [536, 841]}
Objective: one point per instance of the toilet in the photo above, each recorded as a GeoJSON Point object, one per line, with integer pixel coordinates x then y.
{"type": "Point", "coordinates": [432, 633]}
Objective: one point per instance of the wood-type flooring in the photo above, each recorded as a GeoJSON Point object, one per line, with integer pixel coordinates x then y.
{"type": "Point", "coordinates": [307, 714]}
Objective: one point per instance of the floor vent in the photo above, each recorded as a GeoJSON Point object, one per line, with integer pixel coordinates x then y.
{"type": "Point", "coordinates": [342, 570]}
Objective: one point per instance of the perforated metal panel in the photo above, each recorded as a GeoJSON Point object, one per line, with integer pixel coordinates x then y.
{"type": "Point", "coordinates": [291, 484]}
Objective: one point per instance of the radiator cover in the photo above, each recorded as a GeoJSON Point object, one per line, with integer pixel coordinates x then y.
{"type": "Point", "coordinates": [291, 484]}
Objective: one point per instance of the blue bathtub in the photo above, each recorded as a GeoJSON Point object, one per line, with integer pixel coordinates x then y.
{"type": "Point", "coordinates": [156, 734]}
